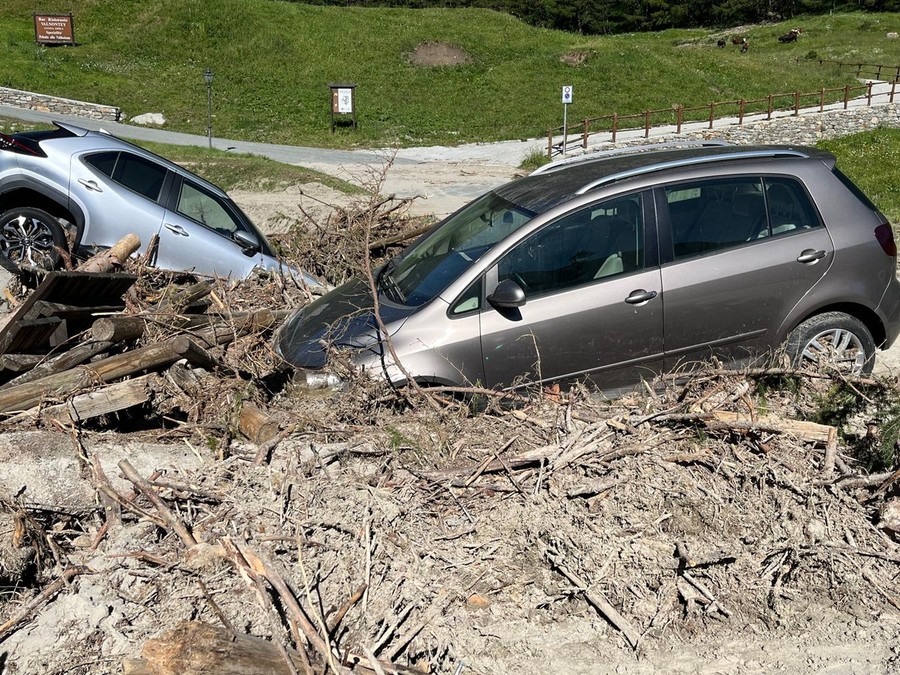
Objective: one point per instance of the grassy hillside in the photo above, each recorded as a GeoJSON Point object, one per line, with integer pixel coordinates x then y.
{"type": "Point", "coordinates": [273, 62]}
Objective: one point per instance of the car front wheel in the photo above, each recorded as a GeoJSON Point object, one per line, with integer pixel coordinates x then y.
{"type": "Point", "coordinates": [32, 237]}
{"type": "Point", "coordinates": [832, 341]}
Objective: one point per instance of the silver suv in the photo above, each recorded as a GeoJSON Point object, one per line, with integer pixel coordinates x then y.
{"type": "Point", "coordinates": [101, 188]}
{"type": "Point", "coordinates": [616, 267]}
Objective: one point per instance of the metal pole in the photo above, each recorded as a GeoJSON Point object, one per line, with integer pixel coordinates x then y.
{"type": "Point", "coordinates": [209, 80]}
{"type": "Point", "coordinates": [565, 126]}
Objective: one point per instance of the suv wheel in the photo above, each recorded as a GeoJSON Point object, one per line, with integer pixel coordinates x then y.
{"type": "Point", "coordinates": [832, 341]}
{"type": "Point", "coordinates": [31, 237]}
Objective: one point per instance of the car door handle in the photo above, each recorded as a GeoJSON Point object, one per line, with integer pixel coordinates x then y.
{"type": "Point", "coordinates": [810, 256]}
{"type": "Point", "coordinates": [177, 229]}
{"type": "Point", "coordinates": [640, 296]}
{"type": "Point", "coordinates": [90, 185]}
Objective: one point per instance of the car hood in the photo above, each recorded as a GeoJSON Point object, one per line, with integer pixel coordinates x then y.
{"type": "Point", "coordinates": [343, 318]}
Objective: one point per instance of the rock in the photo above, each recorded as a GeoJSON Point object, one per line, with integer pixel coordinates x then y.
{"type": "Point", "coordinates": [157, 119]}
{"type": "Point", "coordinates": [890, 516]}
{"type": "Point", "coordinates": [892, 35]}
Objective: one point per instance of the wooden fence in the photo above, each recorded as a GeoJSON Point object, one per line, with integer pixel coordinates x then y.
{"type": "Point", "coordinates": [874, 71]}
{"type": "Point", "coordinates": [576, 135]}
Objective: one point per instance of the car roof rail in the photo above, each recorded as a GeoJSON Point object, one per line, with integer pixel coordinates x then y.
{"type": "Point", "coordinates": [602, 154]}
{"type": "Point", "coordinates": [691, 161]}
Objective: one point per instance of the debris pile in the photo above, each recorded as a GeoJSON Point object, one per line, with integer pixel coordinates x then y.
{"type": "Point", "coordinates": [234, 525]}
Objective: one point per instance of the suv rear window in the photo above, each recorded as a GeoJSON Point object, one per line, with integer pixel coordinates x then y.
{"type": "Point", "coordinates": [134, 172]}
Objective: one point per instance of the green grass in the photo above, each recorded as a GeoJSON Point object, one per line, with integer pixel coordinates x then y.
{"type": "Point", "coordinates": [274, 60]}
{"type": "Point", "coordinates": [871, 160]}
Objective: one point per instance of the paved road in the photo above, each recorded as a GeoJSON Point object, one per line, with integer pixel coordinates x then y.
{"type": "Point", "coordinates": [444, 178]}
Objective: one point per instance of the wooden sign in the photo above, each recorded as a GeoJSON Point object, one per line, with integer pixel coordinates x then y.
{"type": "Point", "coordinates": [54, 29]}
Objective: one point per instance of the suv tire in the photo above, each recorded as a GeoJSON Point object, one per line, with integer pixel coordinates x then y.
{"type": "Point", "coordinates": [31, 237]}
{"type": "Point", "coordinates": [832, 340]}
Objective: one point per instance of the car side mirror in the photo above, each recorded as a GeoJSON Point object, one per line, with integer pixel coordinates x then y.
{"type": "Point", "coordinates": [248, 243]}
{"type": "Point", "coordinates": [507, 295]}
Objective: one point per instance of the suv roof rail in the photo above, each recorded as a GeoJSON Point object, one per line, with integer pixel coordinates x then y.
{"type": "Point", "coordinates": [691, 161]}
{"type": "Point", "coordinates": [602, 154]}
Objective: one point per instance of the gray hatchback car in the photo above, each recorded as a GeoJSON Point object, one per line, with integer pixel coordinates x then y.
{"type": "Point", "coordinates": [618, 266]}
{"type": "Point", "coordinates": [102, 188]}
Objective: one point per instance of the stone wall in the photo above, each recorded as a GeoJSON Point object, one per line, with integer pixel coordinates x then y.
{"type": "Point", "coordinates": [55, 104]}
{"type": "Point", "coordinates": [806, 129]}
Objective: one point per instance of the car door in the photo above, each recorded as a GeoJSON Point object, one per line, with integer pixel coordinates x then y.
{"type": "Point", "coordinates": [742, 253]}
{"type": "Point", "coordinates": [592, 301]}
{"type": "Point", "coordinates": [202, 232]}
{"type": "Point", "coordinates": [120, 193]}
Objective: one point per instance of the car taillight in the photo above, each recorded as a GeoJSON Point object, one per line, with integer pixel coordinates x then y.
{"type": "Point", "coordinates": [885, 236]}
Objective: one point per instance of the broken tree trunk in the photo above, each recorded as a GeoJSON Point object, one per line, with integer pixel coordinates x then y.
{"type": "Point", "coordinates": [196, 648]}
{"type": "Point", "coordinates": [257, 425]}
{"type": "Point", "coordinates": [114, 257]}
{"type": "Point", "coordinates": [117, 328]}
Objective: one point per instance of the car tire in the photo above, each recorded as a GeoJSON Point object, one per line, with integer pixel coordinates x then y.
{"type": "Point", "coordinates": [31, 237]}
{"type": "Point", "coordinates": [832, 341]}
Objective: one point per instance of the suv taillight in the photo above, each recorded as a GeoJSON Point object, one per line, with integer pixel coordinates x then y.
{"type": "Point", "coordinates": [885, 236]}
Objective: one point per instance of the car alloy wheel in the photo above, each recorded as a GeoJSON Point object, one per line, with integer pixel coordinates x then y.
{"type": "Point", "coordinates": [833, 341]}
{"type": "Point", "coordinates": [31, 237]}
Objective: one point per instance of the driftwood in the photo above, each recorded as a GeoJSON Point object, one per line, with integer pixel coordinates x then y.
{"type": "Point", "coordinates": [117, 328]}
{"type": "Point", "coordinates": [114, 257]}
{"type": "Point", "coordinates": [257, 425]}
{"type": "Point", "coordinates": [196, 648]}
{"type": "Point", "coordinates": [28, 395]}
{"type": "Point", "coordinates": [102, 401]}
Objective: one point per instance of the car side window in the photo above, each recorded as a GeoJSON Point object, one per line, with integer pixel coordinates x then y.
{"type": "Point", "coordinates": [713, 215]}
{"type": "Point", "coordinates": [136, 173]}
{"type": "Point", "coordinates": [600, 241]}
{"type": "Point", "coordinates": [789, 207]}
{"type": "Point", "coordinates": [469, 301]}
{"type": "Point", "coordinates": [206, 209]}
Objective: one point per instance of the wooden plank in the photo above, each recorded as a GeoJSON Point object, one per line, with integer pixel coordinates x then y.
{"type": "Point", "coordinates": [103, 401]}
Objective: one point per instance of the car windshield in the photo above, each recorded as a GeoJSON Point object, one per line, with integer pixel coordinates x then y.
{"type": "Point", "coordinates": [426, 269]}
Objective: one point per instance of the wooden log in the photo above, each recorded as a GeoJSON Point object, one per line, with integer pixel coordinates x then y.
{"type": "Point", "coordinates": [811, 431]}
{"type": "Point", "coordinates": [113, 257]}
{"type": "Point", "coordinates": [257, 425]}
{"type": "Point", "coordinates": [103, 401]}
{"type": "Point", "coordinates": [117, 328]}
{"type": "Point", "coordinates": [74, 357]}
{"type": "Point", "coordinates": [197, 648]}
{"type": "Point", "coordinates": [28, 395]}
{"type": "Point", "coordinates": [183, 297]}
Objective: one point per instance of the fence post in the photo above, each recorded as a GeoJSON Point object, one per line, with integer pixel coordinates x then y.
{"type": "Point", "coordinates": [741, 113]}
{"type": "Point", "coordinates": [549, 143]}
{"type": "Point", "coordinates": [869, 93]}
{"type": "Point", "coordinates": [796, 103]}
{"type": "Point", "coordinates": [771, 106]}
{"type": "Point", "coordinates": [712, 107]}
{"type": "Point", "coordinates": [893, 88]}
{"type": "Point", "coordinates": [584, 136]}
{"type": "Point", "coordinates": [858, 69]}
{"type": "Point", "coordinates": [679, 116]}
{"type": "Point", "coordinates": [846, 95]}
{"type": "Point", "coordinates": [646, 124]}
{"type": "Point", "coordinates": [615, 126]}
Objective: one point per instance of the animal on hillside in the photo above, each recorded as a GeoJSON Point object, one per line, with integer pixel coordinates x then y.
{"type": "Point", "coordinates": [745, 45]}
{"type": "Point", "coordinates": [790, 36]}
{"type": "Point", "coordinates": [736, 39]}
{"type": "Point", "coordinates": [721, 42]}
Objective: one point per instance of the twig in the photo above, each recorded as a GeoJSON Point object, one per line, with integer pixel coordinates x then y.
{"type": "Point", "coordinates": [165, 513]}
{"type": "Point", "coordinates": [600, 603]}
{"type": "Point", "coordinates": [44, 596]}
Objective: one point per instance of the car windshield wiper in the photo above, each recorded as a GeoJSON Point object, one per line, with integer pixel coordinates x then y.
{"type": "Point", "coordinates": [386, 282]}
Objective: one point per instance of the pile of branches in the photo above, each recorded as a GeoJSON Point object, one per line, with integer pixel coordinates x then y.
{"type": "Point", "coordinates": [336, 547]}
